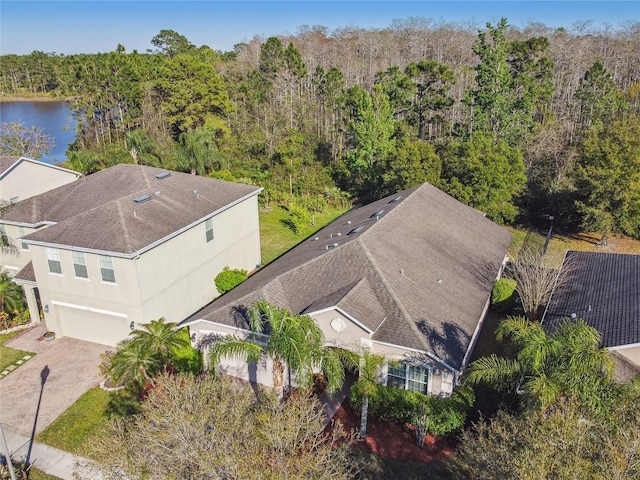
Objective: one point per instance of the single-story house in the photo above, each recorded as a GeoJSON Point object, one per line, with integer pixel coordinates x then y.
{"type": "Point", "coordinates": [604, 290]}
{"type": "Point", "coordinates": [408, 276]}
{"type": "Point", "coordinates": [128, 245]}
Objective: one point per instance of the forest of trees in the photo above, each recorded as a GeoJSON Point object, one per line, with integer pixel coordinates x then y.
{"type": "Point", "coordinates": [519, 123]}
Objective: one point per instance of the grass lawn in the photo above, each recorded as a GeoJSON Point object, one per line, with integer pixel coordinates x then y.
{"type": "Point", "coordinates": [560, 243]}
{"type": "Point", "coordinates": [9, 355]}
{"type": "Point", "coordinates": [276, 238]}
{"type": "Point", "coordinates": [73, 430]}
{"type": "Point", "coordinates": [38, 475]}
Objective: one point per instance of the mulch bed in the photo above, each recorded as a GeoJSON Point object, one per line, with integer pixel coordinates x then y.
{"type": "Point", "coordinates": [393, 441]}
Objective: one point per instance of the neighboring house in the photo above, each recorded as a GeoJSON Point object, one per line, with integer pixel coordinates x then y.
{"type": "Point", "coordinates": [22, 178]}
{"type": "Point", "coordinates": [604, 290]}
{"type": "Point", "coordinates": [408, 276]}
{"type": "Point", "coordinates": [131, 244]}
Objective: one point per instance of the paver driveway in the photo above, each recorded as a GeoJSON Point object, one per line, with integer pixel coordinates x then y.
{"type": "Point", "coordinates": [70, 367]}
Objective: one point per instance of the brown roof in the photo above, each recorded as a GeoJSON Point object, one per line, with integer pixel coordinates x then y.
{"type": "Point", "coordinates": [416, 268]}
{"type": "Point", "coordinates": [26, 275]}
{"type": "Point", "coordinates": [6, 163]}
{"type": "Point", "coordinates": [100, 211]}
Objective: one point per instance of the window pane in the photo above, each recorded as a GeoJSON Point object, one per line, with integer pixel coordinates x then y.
{"type": "Point", "coordinates": [21, 233]}
{"type": "Point", "coordinates": [79, 264]}
{"type": "Point", "coordinates": [53, 258]}
{"type": "Point", "coordinates": [209, 229]}
{"type": "Point", "coordinates": [106, 269]}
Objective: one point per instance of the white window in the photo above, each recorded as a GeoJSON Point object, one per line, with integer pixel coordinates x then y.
{"type": "Point", "coordinates": [208, 224]}
{"type": "Point", "coordinates": [53, 257]}
{"type": "Point", "coordinates": [22, 233]}
{"type": "Point", "coordinates": [106, 269]}
{"type": "Point", "coordinates": [79, 265]}
{"type": "Point", "coordinates": [408, 377]}
{"type": "Point", "coordinates": [447, 381]}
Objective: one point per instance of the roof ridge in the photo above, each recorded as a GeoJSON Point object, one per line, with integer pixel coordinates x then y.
{"type": "Point", "coordinates": [406, 317]}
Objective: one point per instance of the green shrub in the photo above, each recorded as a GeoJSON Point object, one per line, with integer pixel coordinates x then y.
{"type": "Point", "coordinates": [228, 279]}
{"type": "Point", "coordinates": [299, 218]}
{"type": "Point", "coordinates": [435, 415]}
{"type": "Point", "coordinates": [503, 294]}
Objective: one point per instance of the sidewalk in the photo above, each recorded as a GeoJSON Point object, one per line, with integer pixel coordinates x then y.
{"type": "Point", "coordinates": [47, 459]}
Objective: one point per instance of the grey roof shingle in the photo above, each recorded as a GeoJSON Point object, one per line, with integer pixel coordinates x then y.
{"type": "Point", "coordinates": [419, 274]}
{"type": "Point", "coordinates": [6, 162]}
{"type": "Point", "coordinates": [604, 290]}
{"type": "Point", "coordinates": [99, 211]}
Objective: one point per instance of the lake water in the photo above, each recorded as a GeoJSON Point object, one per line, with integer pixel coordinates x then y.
{"type": "Point", "coordinates": [55, 119]}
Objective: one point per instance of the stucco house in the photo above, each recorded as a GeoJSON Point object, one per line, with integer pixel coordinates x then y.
{"type": "Point", "coordinates": [128, 245]}
{"type": "Point", "coordinates": [604, 290]}
{"type": "Point", "coordinates": [408, 276]}
{"type": "Point", "coordinates": [22, 178]}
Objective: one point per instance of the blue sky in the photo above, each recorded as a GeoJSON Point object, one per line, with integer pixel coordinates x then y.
{"type": "Point", "coordinates": [91, 26]}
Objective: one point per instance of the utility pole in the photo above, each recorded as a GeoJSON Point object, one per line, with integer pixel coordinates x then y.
{"type": "Point", "coordinates": [7, 454]}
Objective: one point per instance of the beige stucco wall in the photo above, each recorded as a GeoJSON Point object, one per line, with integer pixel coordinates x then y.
{"type": "Point", "coordinates": [260, 373]}
{"type": "Point", "coordinates": [177, 277]}
{"type": "Point", "coordinates": [630, 353]}
{"type": "Point", "coordinates": [172, 280]}
{"type": "Point", "coordinates": [14, 262]}
{"type": "Point", "coordinates": [353, 336]}
{"type": "Point", "coordinates": [97, 301]}
{"type": "Point", "coordinates": [29, 179]}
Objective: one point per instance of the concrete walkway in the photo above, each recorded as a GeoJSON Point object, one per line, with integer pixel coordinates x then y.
{"type": "Point", "coordinates": [48, 459]}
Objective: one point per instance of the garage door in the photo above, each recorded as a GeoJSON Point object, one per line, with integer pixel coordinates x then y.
{"type": "Point", "coordinates": [91, 325]}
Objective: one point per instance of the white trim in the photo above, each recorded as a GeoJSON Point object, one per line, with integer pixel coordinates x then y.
{"type": "Point", "coordinates": [89, 309]}
{"type": "Point", "coordinates": [189, 323]}
{"type": "Point", "coordinates": [342, 312]}
{"type": "Point", "coordinates": [151, 245]}
{"type": "Point", "coordinates": [623, 347]}
{"type": "Point", "coordinates": [428, 354]}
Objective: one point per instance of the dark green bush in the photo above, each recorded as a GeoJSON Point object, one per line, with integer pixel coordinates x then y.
{"type": "Point", "coordinates": [503, 294]}
{"type": "Point", "coordinates": [445, 415]}
{"type": "Point", "coordinates": [228, 279]}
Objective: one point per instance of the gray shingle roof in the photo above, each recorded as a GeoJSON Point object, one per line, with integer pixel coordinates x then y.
{"type": "Point", "coordinates": [604, 290]}
{"type": "Point", "coordinates": [420, 272]}
{"type": "Point", "coordinates": [6, 162]}
{"type": "Point", "coordinates": [99, 211]}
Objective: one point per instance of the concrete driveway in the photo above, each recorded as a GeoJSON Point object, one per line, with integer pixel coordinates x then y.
{"type": "Point", "coordinates": [69, 368]}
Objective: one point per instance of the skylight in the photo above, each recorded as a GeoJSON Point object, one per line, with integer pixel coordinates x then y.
{"type": "Point", "coordinates": [142, 198]}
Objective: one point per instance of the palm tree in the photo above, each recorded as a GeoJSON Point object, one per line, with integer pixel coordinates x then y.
{"type": "Point", "coordinates": [132, 365]}
{"type": "Point", "coordinates": [161, 339]}
{"type": "Point", "coordinates": [11, 295]}
{"type": "Point", "coordinates": [147, 352]}
{"type": "Point", "coordinates": [547, 366]}
{"type": "Point", "coordinates": [292, 342]}
{"type": "Point", "coordinates": [368, 383]}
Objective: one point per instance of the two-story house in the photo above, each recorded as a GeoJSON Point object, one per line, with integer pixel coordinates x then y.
{"type": "Point", "coordinates": [128, 245]}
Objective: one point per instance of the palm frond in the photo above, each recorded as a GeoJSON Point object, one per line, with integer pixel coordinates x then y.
{"type": "Point", "coordinates": [234, 347]}
{"type": "Point", "coordinates": [500, 373]}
